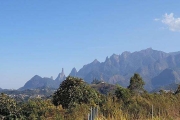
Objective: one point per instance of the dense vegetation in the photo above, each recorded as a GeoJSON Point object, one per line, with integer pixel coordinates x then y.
{"type": "Point", "coordinates": [74, 98]}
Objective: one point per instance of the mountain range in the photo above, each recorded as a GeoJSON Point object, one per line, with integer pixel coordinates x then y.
{"type": "Point", "coordinates": [157, 68]}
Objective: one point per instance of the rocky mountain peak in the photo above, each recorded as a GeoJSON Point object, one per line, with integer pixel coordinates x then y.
{"type": "Point", "coordinates": [95, 61]}
{"type": "Point", "coordinates": [125, 54]}
{"type": "Point", "coordinates": [73, 72]}
{"type": "Point", "coordinates": [62, 71]}
{"type": "Point", "coordinates": [115, 58]}
{"type": "Point", "coordinates": [107, 59]}
{"type": "Point", "coordinates": [61, 76]}
{"type": "Point", "coordinates": [36, 77]}
{"type": "Point", "coordinates": [146, 51]}
{"type": "Point", "coordinates": [37, 81]}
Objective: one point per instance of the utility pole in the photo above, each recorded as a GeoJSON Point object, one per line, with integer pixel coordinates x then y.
{"type": "Point", "coordinates": [152, 112]}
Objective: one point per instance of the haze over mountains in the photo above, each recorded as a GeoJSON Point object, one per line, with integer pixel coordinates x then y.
{"type": "Point", "coordinates": [157, 69]}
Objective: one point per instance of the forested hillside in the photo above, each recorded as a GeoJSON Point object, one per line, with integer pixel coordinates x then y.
{"type": "Point", "coordinates": [74, 98]}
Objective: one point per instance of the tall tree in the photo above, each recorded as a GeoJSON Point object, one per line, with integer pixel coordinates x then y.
{"type": "Point", "coordinates": [122, 94]}
{"type": "Point", "coordinates": [136, 84]}
{"type": "Point", "coordinates": [8, 108]}
{"type": "Point", "coordinates": [74, 91]}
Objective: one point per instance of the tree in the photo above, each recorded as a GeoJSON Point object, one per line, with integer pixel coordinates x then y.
{"type": "Point", "coordinates": [122, 94]}
{"type": "Point", "coordinates": [136, 84]}
{"type": "Point", "coordinates": [37, 109]}
{"type": "Point", "coordinates": [8, 107]}
{"type": "Point", "coordinates": [178, 90]}
{"type": "Point", "coordinates": [74, 91]}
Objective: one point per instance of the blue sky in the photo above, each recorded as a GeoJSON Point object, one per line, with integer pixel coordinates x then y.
{"type": "Point", "coordinates": [42, 37]}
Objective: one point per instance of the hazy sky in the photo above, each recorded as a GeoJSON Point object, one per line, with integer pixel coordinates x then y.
{"type": "Point", "coordinates": [43, 36]}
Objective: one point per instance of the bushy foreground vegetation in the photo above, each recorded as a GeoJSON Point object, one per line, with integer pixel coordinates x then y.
{"type": "Point", "coordinates": [74, 98]}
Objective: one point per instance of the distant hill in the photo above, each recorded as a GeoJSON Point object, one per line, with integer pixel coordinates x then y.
{"type": "Point", "coordinates": [117, 69]}
{"type": "Point", "coordinates": [37, 82]}
{"type": "Point", "coordinates": [165, 78]}
{"type": "Point", "coordinates": [172, 87]}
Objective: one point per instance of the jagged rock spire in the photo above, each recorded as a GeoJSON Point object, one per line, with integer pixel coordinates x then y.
{"type": "Point", "coordinates": [61, 76]}
{"type": "Point", "coordinates": [62, 70]}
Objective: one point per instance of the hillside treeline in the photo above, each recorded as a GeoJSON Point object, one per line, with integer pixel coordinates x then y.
{"type": "Point", "coordinates": [74, 98]}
